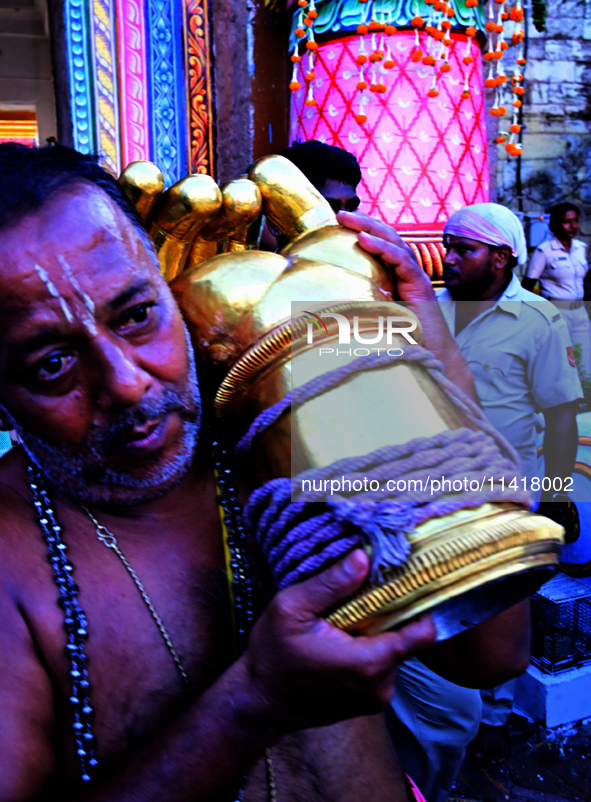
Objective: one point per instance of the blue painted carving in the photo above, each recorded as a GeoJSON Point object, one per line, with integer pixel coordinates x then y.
{"type": "Point", "coordinates": [76, 15]}
{"type": "Point", "coordinates": [166, 80]}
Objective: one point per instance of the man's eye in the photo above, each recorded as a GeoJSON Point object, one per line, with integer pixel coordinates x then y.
{"type": "Point", "coordinates": [137, 315]}
{"type": "Point", "coordinates": [54, 366]}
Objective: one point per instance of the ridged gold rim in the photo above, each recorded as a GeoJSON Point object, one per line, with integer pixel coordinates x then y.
{"type": "Point", "coordinates": [271, 347]}
{"type": "Point", "coordinates": [419, 584]}
{"type": "Point", "coordinates": [517, 561]}
{"type": "Point", "coordinates": [255, 358]}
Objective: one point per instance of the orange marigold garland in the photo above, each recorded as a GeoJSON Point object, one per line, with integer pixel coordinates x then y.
{"type": "Point", "coordinates": [299, 31]}
{"type": "Point", "coordinates": [501, 78]}
{"type": "Point", "coordinates": [310, 99]}
{"type": "Point", "coordinates": [466, 91]}
{"type": "Point", "coordinates": [429, 58]}
{"type": "Point", "coordinates": [468, 57]}
{"type": "Point", "coordinates": [417, 53]}
{"type": "Point", "coordinates": [310, 75]}
{"type": "Point", "coordinates": [361, 53]}
{"type": "Point", "coordinates": [377, 54]}
{"type": "Point", "coordinates": [305, 28]}
{"type": "Point", "coordinates": [433, 92]}
{"type": "Point", "coordinates": [294, 83]}
{"type": "Point", "coordinates": [389, 62]}
{"type": "Point", "coordinates": [495, 52]}
{"type": "Point", "coordinates": [361, 116]}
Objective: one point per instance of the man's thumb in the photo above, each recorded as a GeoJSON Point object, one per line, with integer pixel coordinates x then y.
{"type": "Point", "coordinates": [327, 588]}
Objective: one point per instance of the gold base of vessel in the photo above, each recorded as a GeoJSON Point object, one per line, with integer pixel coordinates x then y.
{"type": "Point", "coordinates": [453, 567]}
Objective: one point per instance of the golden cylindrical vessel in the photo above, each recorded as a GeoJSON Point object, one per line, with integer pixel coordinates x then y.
{"type": "Point", "coordinates": [336, 245]}
{"type": "Point", "coordinates": [462, 566]}
{"type": "Point", "coordinates": [462, 569]}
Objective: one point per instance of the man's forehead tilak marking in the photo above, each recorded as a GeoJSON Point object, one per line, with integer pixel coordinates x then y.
{"type": "Point", "coordinates": [69, 273]}
{"type": "Point", "coordinates": [109, 226]}
{"type": "Point", "coordinates": [88, 319]}
{"type": "Point", "coordinates": [53, 291]}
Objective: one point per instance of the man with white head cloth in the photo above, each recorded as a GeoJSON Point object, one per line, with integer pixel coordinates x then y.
{"type": "Point", "coordinates": [519, 351]}
{"type": "Point", "coordinates": [517, 347]}
{"type": "Point", "coordinates": [516, 344]}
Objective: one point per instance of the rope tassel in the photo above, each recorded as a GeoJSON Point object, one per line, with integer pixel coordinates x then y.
{"type": "Point", "coordinates": [386, 527]}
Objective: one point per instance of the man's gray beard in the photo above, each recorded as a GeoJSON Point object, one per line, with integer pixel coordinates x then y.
{"type": "Point", "coordinates": [84, 472]}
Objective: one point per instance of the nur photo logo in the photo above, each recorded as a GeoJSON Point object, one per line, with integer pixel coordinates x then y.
{"type": "Point", "coordinates": [386, 329]}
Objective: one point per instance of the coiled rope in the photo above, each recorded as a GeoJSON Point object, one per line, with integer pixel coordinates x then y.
{"type": "Point", "coordinates": [301, 538]}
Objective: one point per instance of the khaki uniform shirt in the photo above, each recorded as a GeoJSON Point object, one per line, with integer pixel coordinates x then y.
{"type": "Point", "coordinates": [560, 272]}
{"type": "Point", "coordinates": [520, 356]}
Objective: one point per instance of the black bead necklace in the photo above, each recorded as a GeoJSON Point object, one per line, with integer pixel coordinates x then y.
{"type": "Point", "coordinates": [238, 546]}
{"type": "Point", "coordinates": [75, 621]}
{"type": "Point", "coordinates": [75, 624]}
{"type": "Point", "coordinates": [242, 578]}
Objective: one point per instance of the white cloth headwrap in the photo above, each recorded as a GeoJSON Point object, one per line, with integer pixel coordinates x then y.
{"type": "Point", "coordinates": [492, 224]}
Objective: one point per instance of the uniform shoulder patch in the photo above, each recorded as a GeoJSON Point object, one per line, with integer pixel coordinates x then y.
{"type": "Point", "coordinates": [571, 356]}
{"type": "Point", "coordinates": [545, 309]}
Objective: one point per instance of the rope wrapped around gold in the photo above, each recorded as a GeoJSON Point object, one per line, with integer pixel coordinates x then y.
{"type": "Point", "coordinates": [299, 540]}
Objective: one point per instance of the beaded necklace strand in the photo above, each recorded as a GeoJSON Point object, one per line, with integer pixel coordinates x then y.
{"type": "Point", "coordinates": [75, 622]}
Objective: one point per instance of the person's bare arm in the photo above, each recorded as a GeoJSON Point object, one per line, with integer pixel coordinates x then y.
{"type": "Point", "coordinates": [298, 672]}
{"type": "Point", "coordinates": [528, 283]}
{"type": "Point", "coordinates": [414, 288]}
{"type": "Point", "coordinates": [535, 268]}
{"type": "Point", "coordinates": [488, 654]}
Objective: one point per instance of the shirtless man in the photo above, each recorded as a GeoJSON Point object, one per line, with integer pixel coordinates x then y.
{"type": "Point", "coordinates": [98, 379]}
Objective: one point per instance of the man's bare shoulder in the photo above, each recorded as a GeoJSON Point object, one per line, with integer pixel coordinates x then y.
{"type": "Point", "coordinates": [18, 531]}
{"type": "Point", "coordinates": [13, 478]}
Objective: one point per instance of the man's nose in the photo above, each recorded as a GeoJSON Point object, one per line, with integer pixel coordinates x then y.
{"type": "Point", "coordinates": [123, 381]}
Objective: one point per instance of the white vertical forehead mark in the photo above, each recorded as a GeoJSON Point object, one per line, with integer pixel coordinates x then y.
{"type": "Point", "coordinates": [69, 273]}
{"type": "Point", "coordinates": [53, 290]}
{"type": "Point", "coordinates": [88, 320]}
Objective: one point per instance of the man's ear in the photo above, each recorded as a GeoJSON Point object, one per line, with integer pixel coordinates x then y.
{"type": "Point", "coordinates": [501, 257]}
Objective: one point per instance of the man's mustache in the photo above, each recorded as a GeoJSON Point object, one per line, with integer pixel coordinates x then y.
{"type": "Point", "coordinates": [121, 426]}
